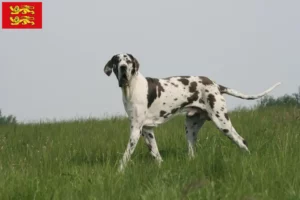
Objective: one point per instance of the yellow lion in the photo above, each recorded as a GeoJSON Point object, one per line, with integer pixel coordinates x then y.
{"type": "Point", "coordinates": [22, 20]}
{"type": "Point", "coordinates": [24, 9]}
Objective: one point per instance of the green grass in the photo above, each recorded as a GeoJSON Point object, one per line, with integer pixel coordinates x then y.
{"type": "Point", "coordinates": [79, 160]}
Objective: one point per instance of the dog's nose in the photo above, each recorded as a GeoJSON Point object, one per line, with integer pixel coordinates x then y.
{"type": "Point", "coordinates": [123, 67]}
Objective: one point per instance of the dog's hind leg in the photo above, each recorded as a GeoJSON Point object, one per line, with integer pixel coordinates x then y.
{"type": "Point", "coordinates": [218, 114]}
{"type": "Point", "coordinates": [228, 130]}
{"type": "Point", "coordinates": [192, 127]}
{"type": "Point", "coordinates": [148, 134]}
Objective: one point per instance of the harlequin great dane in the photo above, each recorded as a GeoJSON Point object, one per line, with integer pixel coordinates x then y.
{"type": "Point", "coordinates": [152, 101]}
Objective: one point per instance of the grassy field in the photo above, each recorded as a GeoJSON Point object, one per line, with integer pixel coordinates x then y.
{"type": "Point", "coordinates": [79, 160]}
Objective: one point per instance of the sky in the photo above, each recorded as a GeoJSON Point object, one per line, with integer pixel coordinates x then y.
{"type": "Point", "coordinates": [57, 73]}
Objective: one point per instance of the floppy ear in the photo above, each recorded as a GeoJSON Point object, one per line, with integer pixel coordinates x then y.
{"type": "Point", "coordinates": [136, 64]}
{"type": "Point", "coordinates": [108, 68]}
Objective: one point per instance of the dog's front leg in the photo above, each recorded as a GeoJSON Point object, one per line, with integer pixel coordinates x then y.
{"type": "Point", "coordinates": [134, 138]}
{"type": "Point", "coordinates": [148, 133]}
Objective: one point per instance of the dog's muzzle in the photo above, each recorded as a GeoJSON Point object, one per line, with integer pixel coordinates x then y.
{"type": "Point", "coordinates": [123, 77]}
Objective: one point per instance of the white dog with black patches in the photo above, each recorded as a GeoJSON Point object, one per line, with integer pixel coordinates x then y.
{"type": "Point", "coordinates": [151, 101]}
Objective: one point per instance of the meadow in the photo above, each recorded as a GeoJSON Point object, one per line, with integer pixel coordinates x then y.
{"type": "Point", "coordinates": [78, 160]}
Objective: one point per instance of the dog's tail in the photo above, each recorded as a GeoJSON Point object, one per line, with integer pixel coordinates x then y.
{"type": "Point", "coordinates": [232, 92]}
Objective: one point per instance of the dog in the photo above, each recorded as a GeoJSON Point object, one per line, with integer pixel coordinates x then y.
{"type": "Point", "coordinates": [150, 102]}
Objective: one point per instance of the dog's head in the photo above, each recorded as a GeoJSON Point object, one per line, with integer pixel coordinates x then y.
{"type": "Point", "coordinates": [125, 66]}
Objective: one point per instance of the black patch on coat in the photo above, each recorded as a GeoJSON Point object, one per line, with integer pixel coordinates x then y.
{"type": "Point", "coordinates": [162, 113]}
{"type": "Point", "coordinates": [206, 81]}
{"type": "Point", "coordinates": [131, 143]}
{"type": "Point", "coordinates": [193, 86]}
{"type": "Point", "coordinates": [226, 116]}
{"type": "Point", "coordinates": [206, 90]}
{"type": "Point", "coordinates": [225, 130]}
{"type": "Point", "coordinates": [166, 84]}
{"type": "Point", "coordinates": [201, 101]}
{"type": "Point", "coordinates": [135, 64]}
{"type": "Point", "coordinates": [191, 99]}
{"type": "Point", "coordinates": [133, 71]}
{"type": "Point", "coordinates": [174, 110]}
{"type": "Point", "coordinates": [174, 84]}
{"type": "Point", "coordinates": [153, 83]}
{"type": "Point", "coordinates": [167, 115]}
{"type": "Point", "coordinates": [150, 135]}
{"type": "Point", "coordinates": [175, 99]}
{"type": "Point", "coordinates": [184, 81]}
{"type": "Point", "coordinates": [217, 115]}
{"type": "Point", "coordinates": [194, 97]}
{"type": "Point", "coordinates": [184, 104]}
{"type": "Point", "coordinates": [211, 100]}
{"type": "Point", "coordinates": [222, 89]}
{"type": "Point", "coordinates": [222, 108]}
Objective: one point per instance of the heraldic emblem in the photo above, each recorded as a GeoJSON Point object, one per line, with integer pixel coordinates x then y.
{"type": "Point", "coordinates": [21, 15]}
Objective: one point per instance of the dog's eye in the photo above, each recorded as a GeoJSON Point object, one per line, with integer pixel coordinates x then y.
{"type": "Point", "coordinates": [129, 61]}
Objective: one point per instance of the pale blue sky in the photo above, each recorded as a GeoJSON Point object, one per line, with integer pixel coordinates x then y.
{"type": "Point", "coordinates": [57, 72]}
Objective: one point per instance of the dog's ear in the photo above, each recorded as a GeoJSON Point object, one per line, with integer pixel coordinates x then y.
{"type": "Point", "coordinates": [136, 64]}
{"type": "Point", "coordinates": [108, 67]}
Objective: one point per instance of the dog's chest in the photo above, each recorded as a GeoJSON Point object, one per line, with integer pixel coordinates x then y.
{"type": "Point", "coordinates": [135, 98]}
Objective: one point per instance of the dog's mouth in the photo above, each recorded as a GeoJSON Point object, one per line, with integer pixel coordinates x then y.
{"type": "Point", "coordinates": [123, 81]}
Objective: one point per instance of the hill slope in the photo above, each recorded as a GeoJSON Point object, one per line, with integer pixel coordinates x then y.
{"type": "Point", "coordinates": [78, 160]}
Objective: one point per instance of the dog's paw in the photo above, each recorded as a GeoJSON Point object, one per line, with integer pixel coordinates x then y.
{"type": "Point", "coordinates": [159, 161]}
{"type": "Point", "coordinates": [121, 168]}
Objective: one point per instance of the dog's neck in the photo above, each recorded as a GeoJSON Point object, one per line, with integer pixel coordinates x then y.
{"type": "Point", "coordinates": [129, 89]}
